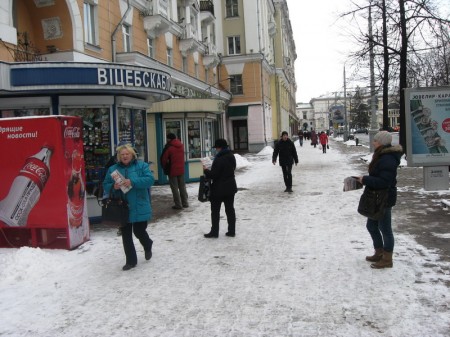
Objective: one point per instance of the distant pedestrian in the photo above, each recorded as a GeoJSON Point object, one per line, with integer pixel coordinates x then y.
{"type": "Point", "coordinates": [285, 149]}
{"type": "Point", "coordinates": [223, 188]}
{"type": "Point", "coordinates": [300, 137]}
{"type": "Point", "coordinates": [323, 138]}
{"type": "Point", "coordinates": [172, 160]}
{"type": "Point", "coordinates": [314, 138]}
{"type": "Point", "coordinates": [382, 175]}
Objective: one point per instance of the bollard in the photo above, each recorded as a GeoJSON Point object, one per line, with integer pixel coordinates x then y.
{"type": "Point", "coordinates": [356, 140]}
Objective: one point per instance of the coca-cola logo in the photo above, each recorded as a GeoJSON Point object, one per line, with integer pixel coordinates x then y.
{"type": "Point", "coordinates": [72, 132]}
{"type": "Point", "coordinates": [37, 170]}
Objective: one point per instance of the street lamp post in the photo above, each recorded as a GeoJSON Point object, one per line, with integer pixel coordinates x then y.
{"type": "Point", "coordinates": [373, 108]}
{"type": "Point", "coordinates": [345, 109]}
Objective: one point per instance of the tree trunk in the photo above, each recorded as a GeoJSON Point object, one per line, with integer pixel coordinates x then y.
{"type": "Point", "coordinates": [403, 73]}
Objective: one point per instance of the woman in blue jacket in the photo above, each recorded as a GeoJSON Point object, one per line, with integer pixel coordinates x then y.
{"type": "Point", "coordinates": [139, 177]}
{"type": "Point", "coordinates": [382, 175]}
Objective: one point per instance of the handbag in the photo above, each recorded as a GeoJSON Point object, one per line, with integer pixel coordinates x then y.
{"type": "Point", "coordinates": [372, 203]}
{"type": "Point", "coordinates": [115, 211]}
{"type": "Point", "coordinates": [328, 147]}
{"type": "Point", "coordinates": [204, 189]}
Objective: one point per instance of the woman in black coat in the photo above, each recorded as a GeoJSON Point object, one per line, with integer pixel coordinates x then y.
{"type": "Point", "coordinates": [382, 175]}
{"type": "Point", "coordinates": [223, 188]}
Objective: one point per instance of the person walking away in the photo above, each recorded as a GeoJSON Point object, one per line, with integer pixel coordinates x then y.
{"type": "Point", "coordinates": [313, 138]}
{"type": "Point", "coordinates": [139, 177]}
{"type": "Point", "coordinates": [300, 137]}
{"type": "Point", "coordinates": [285, 149]}
{"type": "Point", "coordinates": [323, 138]}
{"type": "Point", "coordinates": [173, 154]}
{"type": "Point", "coordinates": [223, 188]}
{"type": "Point", "coordinates": [383, 174]}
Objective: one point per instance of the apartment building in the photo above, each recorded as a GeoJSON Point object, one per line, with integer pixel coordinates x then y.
{"type": "Point", "coordinates": [259, 60]}
{"type": "Point", "coordinates": [135, 70]}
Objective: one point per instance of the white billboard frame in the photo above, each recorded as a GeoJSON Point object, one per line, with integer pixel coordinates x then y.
{"type": "Point", "coordinates": [427, 117]}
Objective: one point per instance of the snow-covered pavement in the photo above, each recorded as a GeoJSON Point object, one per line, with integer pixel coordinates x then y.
{"type": "Point", "coordinates": [295, 268]}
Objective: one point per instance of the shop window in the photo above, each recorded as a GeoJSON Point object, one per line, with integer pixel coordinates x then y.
{"type": "Point", "coordinates": [173, 127]}
{"type": "Point", "coordinates": [234, 45]}
{"type": "Point", "coordinates": [24, 112]}
{"type": "Point", "coordinates": [90, 23]}
{"type": "Point", "coordinates": [194, 140]}
{"type": "Point", "coordinates": [232, 8]}
{"type": "Point", "coordinates": [132, 129]}
{"type": "Point", "coordinates": [96, 142]}
{"type": "Point", "coordinates": [208, 137]}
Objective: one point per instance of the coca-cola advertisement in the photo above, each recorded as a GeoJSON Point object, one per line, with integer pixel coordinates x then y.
{"type": "Point", "coordinates": [42, 195]}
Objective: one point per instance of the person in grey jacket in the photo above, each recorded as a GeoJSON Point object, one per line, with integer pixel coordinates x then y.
{"type": "Point", "coordinates": [139, 177]}
{"type": "Point", "coordinates": [223, 188]}
{"type": "Point", "coordinates": [285, 149]}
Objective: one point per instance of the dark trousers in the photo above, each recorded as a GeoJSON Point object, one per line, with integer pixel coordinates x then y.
{"type": "Point", "coordinates": [140, 231]}
{"type": "Point", "coordinates": [216, 203]}
{"type": "Point", "coordinates": [324, 148]}
{"type": "Point", "coordinates": [287, 175]}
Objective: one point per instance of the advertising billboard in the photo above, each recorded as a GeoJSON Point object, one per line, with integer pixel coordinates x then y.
{"type": "Point", "coordinates": [428, 126]}
{"type": "Point", "coordinates": [42, 195]}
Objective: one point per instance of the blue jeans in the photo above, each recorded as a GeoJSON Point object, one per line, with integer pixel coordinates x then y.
{"type": "Point", "coordinates": [381, 231]}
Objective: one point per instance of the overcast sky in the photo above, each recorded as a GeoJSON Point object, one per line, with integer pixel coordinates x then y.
{"type": "Point", "coordinates": [321, 48]}
{"type": "Point", "coordinates": [322, 45]}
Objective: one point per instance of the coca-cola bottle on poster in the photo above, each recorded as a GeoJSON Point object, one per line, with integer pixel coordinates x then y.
{"type": "Point", "coordinates": [26, 189]}
{"type": "Point", "coordinates": [76, 191]}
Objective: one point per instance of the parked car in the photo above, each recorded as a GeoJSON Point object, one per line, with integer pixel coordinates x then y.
{"type": "Point", "coordinates": [366, 131]}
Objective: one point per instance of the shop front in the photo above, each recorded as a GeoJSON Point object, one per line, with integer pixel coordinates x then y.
{"type": "Point", "coordinates": [111, 99]}
{"type": "Point", "coordinates": [196, 122]}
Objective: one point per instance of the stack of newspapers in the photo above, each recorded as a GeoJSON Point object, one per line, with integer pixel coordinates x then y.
{"type": "Point", "coordinates": [352, 183]}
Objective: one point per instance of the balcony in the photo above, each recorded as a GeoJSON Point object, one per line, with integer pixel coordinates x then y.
{"type": "Point", "coordinates": [211, 59]}
{"type": "Point", "coordinates": [156, 19]}
{"type": "Point", "coordinates": [189, 42]}
{"type": "Point", "coordinates": [207, 12]}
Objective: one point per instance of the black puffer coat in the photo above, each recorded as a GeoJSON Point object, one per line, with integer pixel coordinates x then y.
{"type": "Point", "coordinates": [287, 152]}
{"type": "Point", "coordinates": [383, 173]}
{"type": "Point", "coordinates": [222, 175]}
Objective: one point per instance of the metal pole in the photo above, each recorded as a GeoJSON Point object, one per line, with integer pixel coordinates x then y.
{"type": "Point", "coordinates": [373, 108]}
{"type": "Point", "coordinates": [345, 109]}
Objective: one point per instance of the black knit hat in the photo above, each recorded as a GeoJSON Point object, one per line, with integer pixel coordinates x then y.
{"type": "Point", "coordinates": [171, 136]}
{"type": "Point", "coordinates": [220, 143]}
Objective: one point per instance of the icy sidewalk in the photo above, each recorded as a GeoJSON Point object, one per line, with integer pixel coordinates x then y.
{"type": "Point", "coordinates": [295, 268]}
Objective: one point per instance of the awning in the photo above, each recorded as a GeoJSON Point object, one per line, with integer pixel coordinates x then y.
{"type": "Point", "coordinates": [238, 111]}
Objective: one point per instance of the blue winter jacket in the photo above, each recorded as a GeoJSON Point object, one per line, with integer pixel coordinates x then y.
{"type": "Point", "coordinates": [384, 173]}
{"type": "Point", "coordinates": [138, 197]}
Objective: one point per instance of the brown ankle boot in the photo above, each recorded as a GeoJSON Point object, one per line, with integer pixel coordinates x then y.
{"type": "Point", "coordinates": [376, 256]}
{"type": "Point", "coordinates": [385, 262]}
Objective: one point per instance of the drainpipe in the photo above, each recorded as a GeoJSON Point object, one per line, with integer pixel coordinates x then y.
{"type": "Point", "coordinates": [113, 35]}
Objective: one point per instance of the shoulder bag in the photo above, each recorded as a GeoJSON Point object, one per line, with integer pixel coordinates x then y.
{"type": "Point", "coordinates": [115, 211]}
{"type": "Point", "coordinates": [204, 189]}
{"type": "Point", "coordinates": [372, 203]}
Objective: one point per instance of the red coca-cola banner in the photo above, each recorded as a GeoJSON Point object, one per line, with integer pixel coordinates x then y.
{"type": "Point", "coordinates": [42, 195]}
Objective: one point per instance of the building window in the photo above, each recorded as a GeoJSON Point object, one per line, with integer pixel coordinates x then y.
{"type": "Point", "coordinates": [90, 23]}
{"type": "Point", "coordinates": [184, 65]}
{"type": "Point", "coordinates": [234, 45]}
{"type": "Point", "coordinates": [169, 57]}
{"type": "Point", "coordinates": [196, 70]}
{"type": "Point", "coordinates": [151, 48]}
{"type": "Point", "coordinates": [236, 85]}
{"type": "Point", "coordinates": [126, 32]}
{"type": "Point", "coordinates": [232, 8]}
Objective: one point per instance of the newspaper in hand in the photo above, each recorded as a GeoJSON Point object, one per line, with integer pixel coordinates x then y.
{"type": "Point", "coordinates": [207, 162]}
{"type": "Point", "coordinates": [352, 183]}
{"type": "Point", "coordinates": [119, 178]}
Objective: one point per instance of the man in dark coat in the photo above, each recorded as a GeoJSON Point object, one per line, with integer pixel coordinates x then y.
{"type": "Point", "coordinates": [172, 160]}
{"type": "Point", "coordinates": [285, 148]}
{"type": "Point", "coordinates": [223, 188]}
